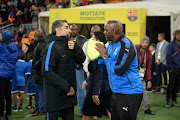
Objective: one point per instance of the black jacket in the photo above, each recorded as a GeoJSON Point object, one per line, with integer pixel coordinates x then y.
{"type": "Point", "coordinates": [59, 73]}
{"type": "Point", "coordinates": [80, 40]}
{"type": "Point", "coordinates": [98, 79]}
{"type": "Point", "coordinates": [37, 54]}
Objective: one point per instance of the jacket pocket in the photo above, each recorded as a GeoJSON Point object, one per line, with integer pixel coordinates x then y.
{"type": "Point", "coordinates": [128, 80]}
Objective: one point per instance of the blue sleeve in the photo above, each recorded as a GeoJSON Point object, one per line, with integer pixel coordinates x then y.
{"type": "Point", "coordinates": [169, 54]}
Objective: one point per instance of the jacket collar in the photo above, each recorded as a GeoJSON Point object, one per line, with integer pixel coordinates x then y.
{"type": "Point", "coordinates": [120, 38]}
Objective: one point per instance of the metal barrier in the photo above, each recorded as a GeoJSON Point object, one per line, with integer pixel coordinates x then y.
{"type": "Point", "coordinates": [27, 27]}
{"type": "Point", "coordinates": [9, 27]}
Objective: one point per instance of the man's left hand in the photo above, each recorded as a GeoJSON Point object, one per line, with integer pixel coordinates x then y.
{"type": "Point", "coordinates": [149, 85]}
{"type": "Point", "coordinates": [71, 45]}
{"type": "Point", "coordinates": [101, 49]}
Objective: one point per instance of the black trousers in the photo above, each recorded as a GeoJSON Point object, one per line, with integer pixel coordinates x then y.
{"type": "Point", "coordinates": [174, 83]}
{"type": "Point", "coordinates": [125, 107]}
{"type": "Point", "coordinates": [66, 114]}
{"type": "Point", "coordinates": [5, 93]}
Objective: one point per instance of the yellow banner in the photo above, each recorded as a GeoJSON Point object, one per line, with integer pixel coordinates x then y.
{"type": "Point", "coordinates": [133, 18]}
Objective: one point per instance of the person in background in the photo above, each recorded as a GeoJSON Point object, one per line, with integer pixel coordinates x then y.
{"type": "Point", "coordinates": [160, 56]}
{"type": "Point", "coordinates": [16, 38]}
{"type": "Point", "coordinates": [152, 49]}
{"type": "Point", "coordinates": [98, 98]}
{"type": "Point", "coordinates": [80, 40]}
{"type": "Point", "coordinates": [21, 33]}
{"type": "Point", "coordinates": [144, 58]}
{"type": "Point", "coordinates": [172, 59]}
{"type": "Point", "coordinates": [37, 74]}
{"type": "Point", "coordinates": [31, 86]}
{"type": "Point", "coordinates": [8, 58]}
{"type": "Point", "coordinates": [18, 81]}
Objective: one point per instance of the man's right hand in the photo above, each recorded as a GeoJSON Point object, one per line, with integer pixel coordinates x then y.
{"type": "Point", "coordinates": [158, 63]}
{"type": "Point", "coordinates": [71, 92]}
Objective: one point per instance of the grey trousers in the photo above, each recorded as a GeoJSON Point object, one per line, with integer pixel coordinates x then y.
{"type": "Point", "coordinates": [145, 98]}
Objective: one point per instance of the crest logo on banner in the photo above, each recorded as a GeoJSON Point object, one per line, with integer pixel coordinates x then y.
{"type": "Point", "coordinates": [132, 15]}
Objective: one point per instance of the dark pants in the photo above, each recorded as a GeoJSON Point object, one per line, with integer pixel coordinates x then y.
{"type": "Point", "coordinates": [174, 82]}
{"type": "Point", "coordinates": [66, 114]}
{"type": "Point", "coordinates": [39, 98]}
{"type": "Point", "coordinates": [5, 93]}
{"type": "Point", "coordinates": [161, 69]}
{"type": "Point", "coordinates": [125, 107]}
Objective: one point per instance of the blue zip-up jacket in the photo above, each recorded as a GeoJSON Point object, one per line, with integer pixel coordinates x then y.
{"type": "Point", "coordinates": [122, 67]}
{"type": "Point", "coordinates": [173, 55]}
{"type": "Point", "coordinates": [8, 58]}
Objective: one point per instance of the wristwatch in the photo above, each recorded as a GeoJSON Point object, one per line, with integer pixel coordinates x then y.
{"type": "Point", "coordinates": [104, 57]}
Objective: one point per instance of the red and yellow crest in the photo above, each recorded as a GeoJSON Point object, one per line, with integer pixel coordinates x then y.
{"type": "Point", "coordinates": [132, 15]}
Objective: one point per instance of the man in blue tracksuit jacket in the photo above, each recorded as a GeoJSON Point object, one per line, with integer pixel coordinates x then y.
{"type": "Point", "coordinates": [172, 59]}
{"type": "Point", "coordinates": [121, 62]}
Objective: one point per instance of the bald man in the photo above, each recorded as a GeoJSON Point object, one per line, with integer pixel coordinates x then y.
{"type": "Point", "coordinates": [36, 76]}
{"type": "Point", "coordinates": [120, 59]}
{"type": "Point", "coordinates": [80, 40]}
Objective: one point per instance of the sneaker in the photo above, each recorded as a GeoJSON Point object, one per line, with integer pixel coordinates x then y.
{"type": "Point", "coordinates": [168, 105]}
{"type": "Point", "coordinates": [20, 108]}
{"type": "Point", "coordinates": [29, 107]}
{"type": "Point", "coordinates": [33, 112]}
{"type": "Point", "coordinates": [148, 111]}
{"type": "Point", "coordinates": [8, 117]}
{"type": "Point", "coordinates": [14, 108]}
{"type": "Point", "coordinates": [174, 104]}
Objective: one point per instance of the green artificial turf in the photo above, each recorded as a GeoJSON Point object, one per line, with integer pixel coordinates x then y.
{"type": "Point", "coordinates": [161, 113]}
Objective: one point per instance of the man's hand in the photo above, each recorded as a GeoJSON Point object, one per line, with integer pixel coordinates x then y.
{"type": "Point", "coordinates": [158, 63]}
{"type": "Point", "coordinates": [154, 73]}
{"type": "Point", "coordinates": [71, 92]}
{"type": "Point", "coordinates": [84, 85]}
{"type": "Point", "coordinates": [149, 85]}
{"type": "Point", "coordinates": [101, 49]}
{"type": "Point", "coordinates": [71, 45]}
{"type": "Point", "coordinates": [96, 99]}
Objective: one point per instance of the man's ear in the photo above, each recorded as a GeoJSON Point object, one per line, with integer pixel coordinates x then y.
{"type": "Point", "coordinates": [113, 31]}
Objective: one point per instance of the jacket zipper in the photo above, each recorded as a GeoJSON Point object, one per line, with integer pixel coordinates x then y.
{"type": "Point", "coordinates": [128, 80]}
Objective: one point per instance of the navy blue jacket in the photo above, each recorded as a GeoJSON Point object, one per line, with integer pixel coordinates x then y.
{"type": "Point", "coordinates": [172, 56]}
{"type": "Point", "coordinates": [98, 79]}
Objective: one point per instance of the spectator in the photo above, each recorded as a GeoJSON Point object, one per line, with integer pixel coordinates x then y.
{"type": "Point", "coordinates": [98, 98]}
{"type": "Point", "coordinates": [80, 40]}
{"type": "Point", "coordinates": [172, 58]}
{"type": "Point", "coordinates": [11, 17]}
{"type": "Point", "coordinates": [16, 38]}
{"type": "Point", "coordinates": [122, 66]}
{"type": "Point", "coordinates": [21, 5]}
{"type": "Point", "coordinates": [60, 90]}
{"type": "Point", "coordinates": [18, 82]}
{"type": "Point", "coordinates": [31, 86]}
{"type": "Point", "coordinates": [144, 58]}
{"type": "Point", "coordinates": [19, 18]}
{"type": "Point", "coordinates": [25, 50]}
{"type": "Point", "coordinates": [160, 56]}
{"type": "Point", "coordinates": [34, 16]}
{"type": "Point", "coordinates": [152, 49]}
{"type": "Point", "coordinates": [8, 58]}
{"type": "Point", "coordinates": [14, 3]}
{"type": "Point", "coordinates": [37, 74]}
{"type": "Point", "coordinates": [4, 11]}
{"type": "Point", "coordinates": [21, 33]}
{"type": "Point", "coordinates": [26, 16]}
